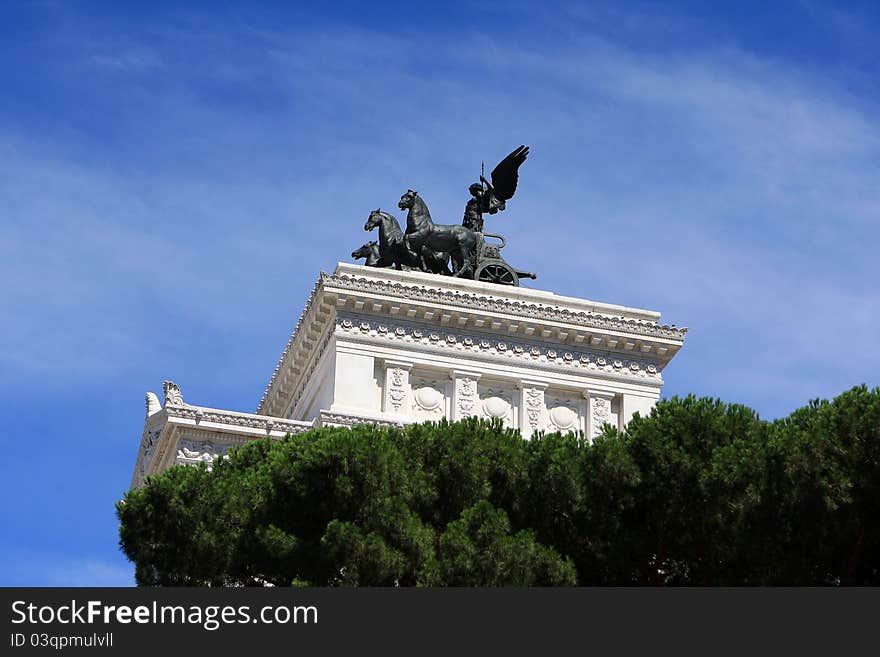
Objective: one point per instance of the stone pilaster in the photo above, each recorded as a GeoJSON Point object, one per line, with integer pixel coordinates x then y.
{"type": "Point", "coordinates": [599, 412]}
{"type": "Point", "coordinates": [397, 395]}
{"type": "Point", "coordinates": [532, 407]}
{"type": "Point", "coordinates": [465, 398]}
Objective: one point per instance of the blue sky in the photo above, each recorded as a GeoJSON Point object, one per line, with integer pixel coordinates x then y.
{"type": "Point", "coordinates": [173, 176]}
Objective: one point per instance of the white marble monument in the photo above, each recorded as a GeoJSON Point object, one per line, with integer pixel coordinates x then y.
{"type": "Point", "coordinates": [392, 347]}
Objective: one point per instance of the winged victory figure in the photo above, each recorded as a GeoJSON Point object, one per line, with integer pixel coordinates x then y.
{"type": "Point", "coordinates": [492, 196]}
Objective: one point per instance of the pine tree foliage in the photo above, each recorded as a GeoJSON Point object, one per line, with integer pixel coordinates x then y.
{"type": "Point", "coordinates": [698, 493]}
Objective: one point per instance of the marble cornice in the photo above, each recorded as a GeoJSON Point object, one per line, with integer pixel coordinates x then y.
{"type": "Point", "coordinates": [235, 420]}
{"type": "Point", "coordinates": [497, 304]}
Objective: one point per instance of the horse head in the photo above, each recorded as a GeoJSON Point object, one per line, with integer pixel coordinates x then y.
{"type": "Point", "coordinates": [374, 220]}
{"type": "Point", "coordinates": [408, 199]}
{"type": "Point", "coordinates": [364, 251]}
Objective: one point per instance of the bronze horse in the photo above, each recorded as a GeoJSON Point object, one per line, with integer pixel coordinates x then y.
{"type": "Point", "coordinates": [370, 251]}
{"type": "Point", "coordinates": [421, 232]}
{"type": "Point", "coordinates": [393, 249]}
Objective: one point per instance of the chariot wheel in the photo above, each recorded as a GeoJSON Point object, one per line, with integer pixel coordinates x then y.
{"type": "Point", "coordinates": [498, 273]}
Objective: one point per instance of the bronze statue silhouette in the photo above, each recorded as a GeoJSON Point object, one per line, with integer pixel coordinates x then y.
{"type": "Point", "coordinates": [460, 242]}
{"type": "Point", "coordinates": [394, 251]}
{"type": "Point", "coordinates": [492, 197]}
{"type": "Point", "coordinates": [428, 247]}
{"type": "Point", "coordinates": [370, 251]}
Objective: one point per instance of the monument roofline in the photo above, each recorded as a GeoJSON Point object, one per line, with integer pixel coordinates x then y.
{"type": "Point", "coordinates": [506, 292]}
{"type": "Point", "coordinates": [506, 310]}
{"type": "Point", "coordinates": [164, 424]}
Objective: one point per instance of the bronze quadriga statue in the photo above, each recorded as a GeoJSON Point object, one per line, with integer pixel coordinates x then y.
{"type": "Point", "coordinates": [429, 247]}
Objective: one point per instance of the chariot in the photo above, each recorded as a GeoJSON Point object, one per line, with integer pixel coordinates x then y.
{"type": "Point", "coordinates": [491, 267]}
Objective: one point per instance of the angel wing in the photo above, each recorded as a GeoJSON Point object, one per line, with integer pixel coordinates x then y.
{"type": "Point", "coordinates": [506, 174]}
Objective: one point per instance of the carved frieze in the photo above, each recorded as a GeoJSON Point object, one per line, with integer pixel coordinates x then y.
{"type": "Point", "coordinates": [263, 423]}
{"type": "Point", "coordinates": [529, 352]}
{"type": "Point", "coordinates": [191, 452]}
{"type": "Point", "coordinates": [346, 420]}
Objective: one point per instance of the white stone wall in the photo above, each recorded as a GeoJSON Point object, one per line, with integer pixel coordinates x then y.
{"type": "Point", "coordinates": [389, 347]}
{"type": "Point", "coordinates": [407, 372]}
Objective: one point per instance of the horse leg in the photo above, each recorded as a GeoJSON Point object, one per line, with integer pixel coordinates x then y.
{"type": "Point", "coordinates": [438, 262]}
{"type": "Point", "coordinates": [386, 256]}
{"type": "Point", "coordinates": [456, 262]}
{"type": "Point", "coordinates": [424, 258]}
{"type": "Point", "coordinates": [461, 263]}
{"type": "Point", "coordinates": [444, 263]}
{"type": "Point", "coordinates": [403, 259]}
{"type": "Point", "coordinates": [467, 255]}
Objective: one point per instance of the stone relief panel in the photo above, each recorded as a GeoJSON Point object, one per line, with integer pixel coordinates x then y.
{"type": "Point", "coordinates": [601, 414]}
{"type": "Point", "coordinates": [466, 397]}
{"type": "Point", "coordinates": [497, 401]}
{"type": "Point", "coordinates": [192, 452]}
{"type": "Point", "coordinates": [565, 411]}
{"type": "Point", "coordinates": [534, 410]}
{"type": "Point", "coordinates": [603, 410]}
{"type": "Point", "coordinates": [430, 397]}
{"type": "Point", "coordinates": [397, 389]}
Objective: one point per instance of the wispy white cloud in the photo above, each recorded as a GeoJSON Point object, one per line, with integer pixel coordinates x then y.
{"type": "Point", "coordinates": [122, 59]}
